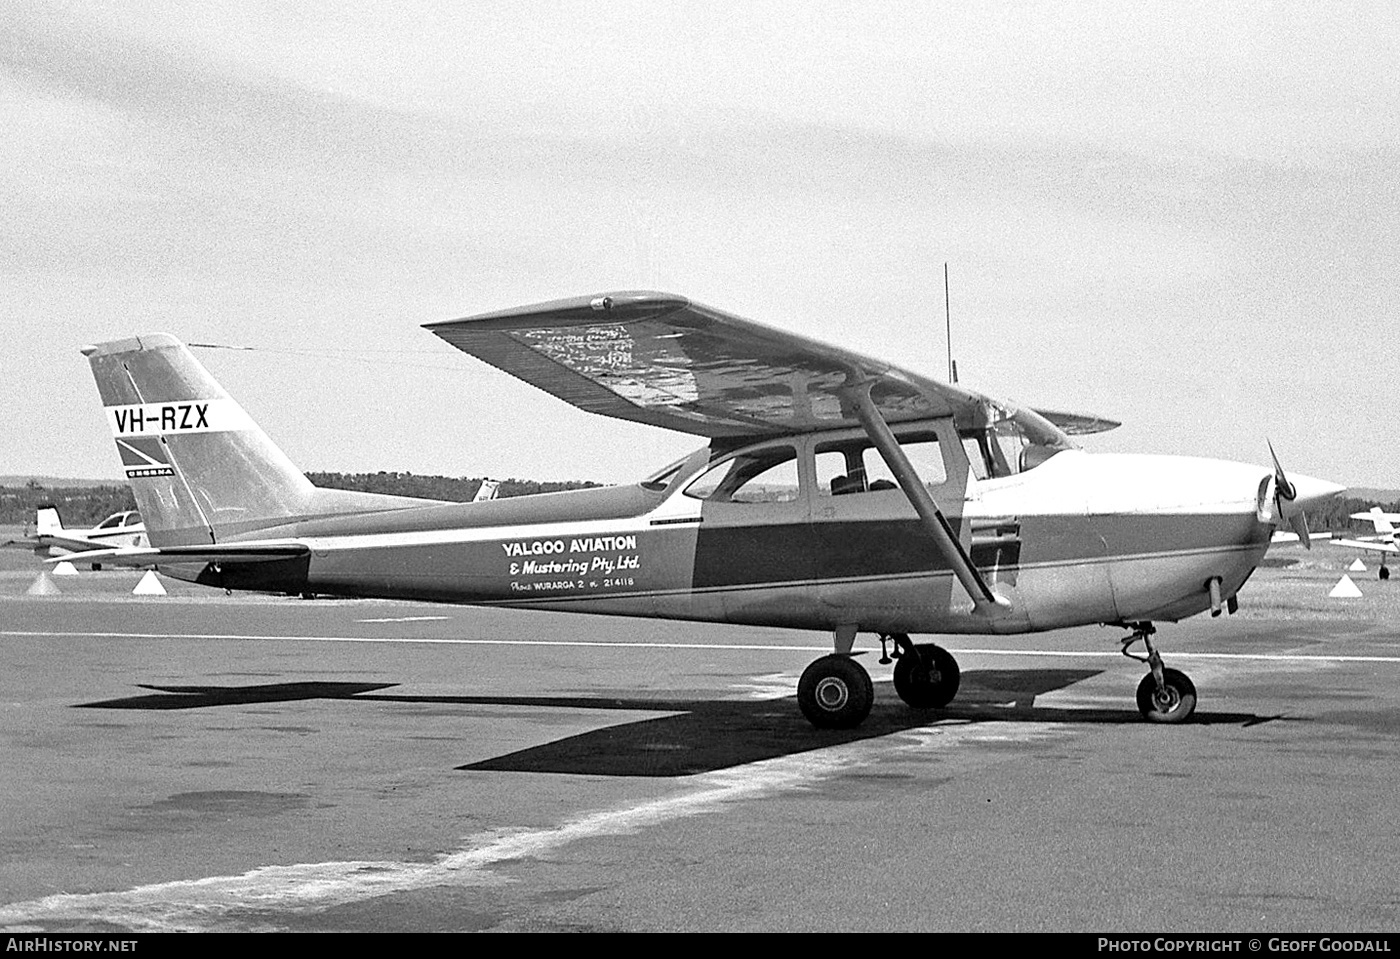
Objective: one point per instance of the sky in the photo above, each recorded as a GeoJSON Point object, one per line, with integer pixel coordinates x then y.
{"type": "Point", "coordinates": [1184, 216]}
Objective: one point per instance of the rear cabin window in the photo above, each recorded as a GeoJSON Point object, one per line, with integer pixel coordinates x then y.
{"type": "Point", "coordinates": [768, 475]}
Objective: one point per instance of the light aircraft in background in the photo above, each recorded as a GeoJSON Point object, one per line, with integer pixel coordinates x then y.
{"type": "Point", "coordinates": [119, 529]}
{"type": "Point", "coordinates": [487, 490]}
{"type": "Point", "coordinates": [1386, 540]}
{"type": "Point", "coordinates": [835, 492]}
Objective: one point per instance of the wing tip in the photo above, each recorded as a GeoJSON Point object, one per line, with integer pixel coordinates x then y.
{"type": "Point", "coordinates": [1079, 424]}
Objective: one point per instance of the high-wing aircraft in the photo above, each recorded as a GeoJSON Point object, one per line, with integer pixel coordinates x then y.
{"type": "Point", "coordinates": [835, 492]}
{"type": "Point", "coordinates": [119, 529]}
{"type": "Point", "coordinates": [1386, 540]}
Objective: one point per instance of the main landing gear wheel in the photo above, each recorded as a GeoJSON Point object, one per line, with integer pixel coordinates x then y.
{"type": "Point", "coordinates": [835, 692]}
{"type": "Point", "coordinates": [927, 677]}
{"type": "Point", "coordinates": [1173, 703]}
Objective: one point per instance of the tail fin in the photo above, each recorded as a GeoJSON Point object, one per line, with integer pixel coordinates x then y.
{"type": "Point", "coordinates": [1382, 520]}
{"type": "Point", "coordinates": [199, 467]}
{"type": "Point", "coordinates": [47, 522]}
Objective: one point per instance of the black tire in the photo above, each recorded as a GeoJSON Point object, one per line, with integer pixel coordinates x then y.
{"type": "Point", "coordinates": [1385, 572]}
{"type": "Point", "coordinates": [835, 692]}
{"type": "Point", "coordinates": [928, 680]}
{"type": "Point", "coordinates": [1180, 701]}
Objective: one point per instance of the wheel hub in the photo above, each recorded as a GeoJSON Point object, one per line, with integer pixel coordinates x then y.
{"type": "Point", "coordinates": [832, 694]}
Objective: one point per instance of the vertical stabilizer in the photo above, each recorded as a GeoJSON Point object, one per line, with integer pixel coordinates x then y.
{"type": "Point", "coordinates": [47, 521]}
{"type": "Point", "coordinates": [200, 468]}
{"type": "Point", "coordinates": [1382, 521]}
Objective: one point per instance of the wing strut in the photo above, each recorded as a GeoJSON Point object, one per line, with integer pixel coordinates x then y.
{"type": "Point", "coordinates": [983, 599]}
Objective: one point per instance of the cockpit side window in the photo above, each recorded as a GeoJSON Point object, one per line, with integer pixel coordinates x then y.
{"type": "Point", "coordinates": [855, 466]}
{"type": "Point", "coordinates": [767, 475]}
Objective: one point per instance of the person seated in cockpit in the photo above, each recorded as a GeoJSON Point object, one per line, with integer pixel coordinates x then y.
{"type": "Point", "coordinates": [841, 485]}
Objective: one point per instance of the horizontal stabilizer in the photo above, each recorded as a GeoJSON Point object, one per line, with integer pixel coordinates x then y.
{"type": "Point", "coordinates": [1384, 522]}
{"type": "Point", "coordinates": [221, 554]}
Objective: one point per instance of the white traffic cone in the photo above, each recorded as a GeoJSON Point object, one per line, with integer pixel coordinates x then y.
{"type": "Point", "coordinates": [1345, 589]}
{"type": "Point", "coordinates": [150, 585]}
{"type": "Point", "coordinates": [43, 586]}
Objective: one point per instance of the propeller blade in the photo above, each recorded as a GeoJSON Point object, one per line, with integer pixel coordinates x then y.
{"type": "Point", "coordinates": [1299, 522]}
{"type": "Point", "coordinates": [1282, 488]}
{"type": "Point", "coordinates": [1285, 497]}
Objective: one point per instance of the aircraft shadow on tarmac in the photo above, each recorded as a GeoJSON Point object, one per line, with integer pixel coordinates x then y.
{"type": "Point", "coordinates": [701, 735]}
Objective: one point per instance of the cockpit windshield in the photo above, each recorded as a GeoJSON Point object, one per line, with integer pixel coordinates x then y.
{"type": "Point", "coordinates": [1013, 440]}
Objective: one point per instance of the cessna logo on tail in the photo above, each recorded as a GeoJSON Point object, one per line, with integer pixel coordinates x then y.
{"type": "Point", "coordinates": [194, 416]}
{"type": "Point", "coordinates": [144, 456]}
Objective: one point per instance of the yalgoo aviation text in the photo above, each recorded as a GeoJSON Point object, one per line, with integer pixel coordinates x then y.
{"type": "Point", "coordinates": [585, 544]}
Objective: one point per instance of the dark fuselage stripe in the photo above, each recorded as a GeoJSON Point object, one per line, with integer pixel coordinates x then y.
{"type": "Point", "coordinates": [856, 580]}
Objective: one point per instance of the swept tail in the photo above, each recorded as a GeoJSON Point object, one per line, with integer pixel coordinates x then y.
{"type": "Point", "coordinates": [200, 468]}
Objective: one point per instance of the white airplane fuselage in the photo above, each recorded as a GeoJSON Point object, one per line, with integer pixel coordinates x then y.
{"type": "Point", "coordinates": [1080, 539]}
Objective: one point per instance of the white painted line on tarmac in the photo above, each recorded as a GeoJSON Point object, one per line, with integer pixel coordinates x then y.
{"type": "Point", "coordinates": [1182, 654]}
{"type": "Point", "coordinates": [403, 619]}
{"type": "Point", "coordinates": [655, 646]}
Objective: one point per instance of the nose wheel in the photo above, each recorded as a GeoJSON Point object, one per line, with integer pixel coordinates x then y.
{"type": "Point", "coordinates": [925, 676]}
{"type": "Point", "coordinates": [1164, 695]}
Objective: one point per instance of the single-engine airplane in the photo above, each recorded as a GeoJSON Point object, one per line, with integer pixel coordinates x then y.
{"type": "Point", "coordinates": [119, 529]}
{"type": "Point", "coordinates": [836, 492]}
{"type": "Point", "coordinates": [1385, 541]}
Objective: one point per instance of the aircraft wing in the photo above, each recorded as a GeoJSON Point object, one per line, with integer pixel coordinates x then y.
{"type": "Point", "coordinates": [1379, 547]}
{"type": "Point", "coordinates": [666, 361]}
{"type": "Point", "coordinates": [221, 553]}
{"type": "Point", "coordinates": [69, 541]}
{"type": "Point", "coordinates": [1283, 536]}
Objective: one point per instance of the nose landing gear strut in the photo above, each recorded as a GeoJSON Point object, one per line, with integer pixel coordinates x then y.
{"type": "Point", "coordinates": [1164, 695]}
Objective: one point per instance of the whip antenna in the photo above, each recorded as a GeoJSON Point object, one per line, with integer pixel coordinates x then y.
{"type": "Point", "coordinates": [948, 328]}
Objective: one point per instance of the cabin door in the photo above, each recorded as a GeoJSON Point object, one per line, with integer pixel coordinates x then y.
{"type": "Point", "coordinates": [875, 563]}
